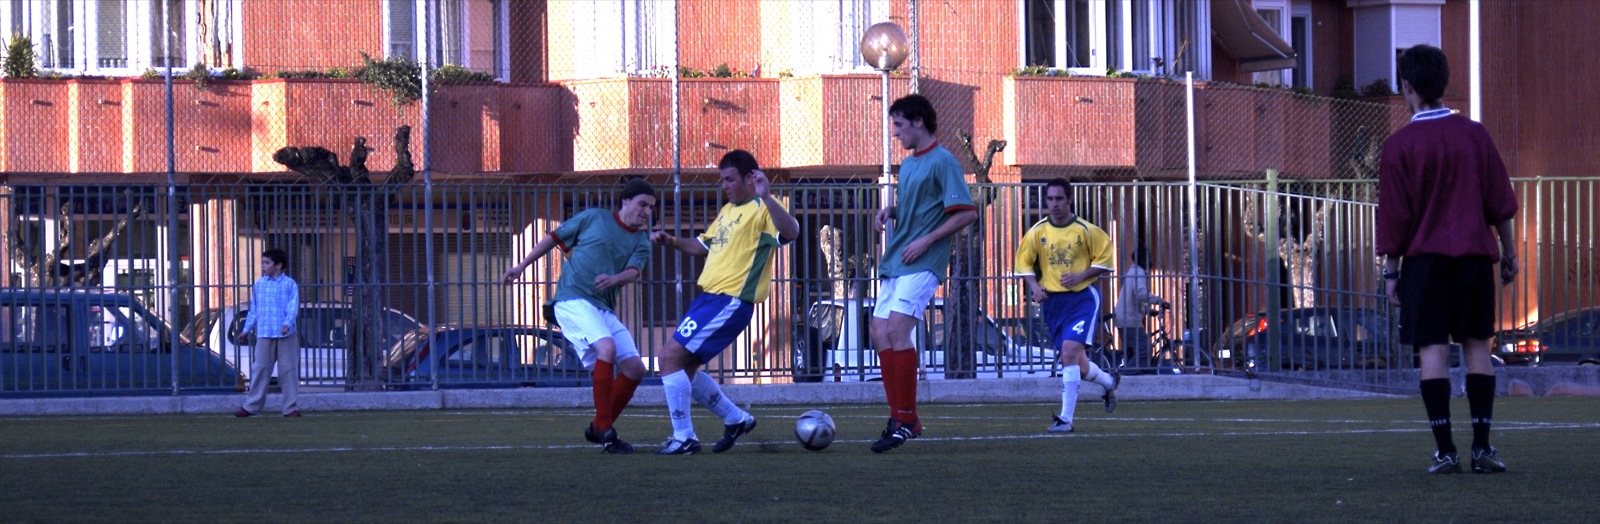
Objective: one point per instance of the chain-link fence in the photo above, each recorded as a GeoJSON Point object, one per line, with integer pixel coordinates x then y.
{"type": "Point", "coordinates": [407, 151]}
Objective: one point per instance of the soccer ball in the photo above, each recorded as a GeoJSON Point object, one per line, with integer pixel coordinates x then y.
{"type": "Point", "coordinates": [814, 430]}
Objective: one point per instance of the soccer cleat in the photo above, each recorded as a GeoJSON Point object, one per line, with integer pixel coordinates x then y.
{"type": "Point", "coordinates": [731, 434]}
{"type": "Point", "coordinates": [1059, 426]}
{"type": "Point", "coordinates": [591, 435]}
{"type": "Point", "coordinates": [615, 445]}
{"type": "Point", "coordinates": [679, 447]}
{"type": "Point", "coordinates": [1484, 461]}
{"type": "Point", "coordinates": [1445, 464]}
{"type": "Point", "coordinates": [893, 436]}
{"type": "Point", "coordinates": [242, 413]}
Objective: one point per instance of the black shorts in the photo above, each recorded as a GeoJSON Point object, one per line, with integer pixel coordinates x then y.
{"type": "Point", "coordinates": [1444, 298]}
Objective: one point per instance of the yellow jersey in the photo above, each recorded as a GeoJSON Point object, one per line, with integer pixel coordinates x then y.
{"type": "Point", "coordinates": [1049, 251]}
{"type": "Point", "coordinates": [740, 245]}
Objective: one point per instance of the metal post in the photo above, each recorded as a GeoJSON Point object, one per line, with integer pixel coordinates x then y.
{"type": "Point", "coordinates": [427, 179]}
{"type": "Point", "coordinates": [172, 203]}
{"type": "Point", "coordinates": [916, 53]}
{"type": "Point", "coordinates": [677, 162]}
{"type": "Point", "coordinates": [1194, 223]}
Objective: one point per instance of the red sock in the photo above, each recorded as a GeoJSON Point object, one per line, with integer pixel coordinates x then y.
{"type": "Point", "coordinates": [906, 367]}
{"type": "Point", "coordinates": [602, 395]}
{"type": "Point", "coordinates": [886, 364]}
{"type": "Point", "coordinates": [621, 394]}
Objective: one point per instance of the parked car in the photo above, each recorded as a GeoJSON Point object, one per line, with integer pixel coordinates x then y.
{"type": "Point", "coordinates": [501, 356]}
{"type": "Point", "coordinates": [832, 342]}
{"type": "Point", "coordinates": [80, 340]}
{"type": "Point", "coordinates": [1572, 337]}
{"type": "Point", "coordinates": [1312, 338]}
{"type": "Point", "coordinates": [324, 329]}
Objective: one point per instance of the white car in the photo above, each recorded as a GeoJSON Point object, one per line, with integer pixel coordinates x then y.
{"type": "Point", "coordinates": [324, 337]}
{"type": "Point", "coordinates": [832, 343]}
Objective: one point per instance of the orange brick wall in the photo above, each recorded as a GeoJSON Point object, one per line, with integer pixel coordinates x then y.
{"type": "Point", "coordinates": [95, 142]}
{"type": "Point", "coordinates": [34, 132]}
{"type": "Point", "coordinates": [1536, 102]}
{"type": "Point", "coordinates": [714, 32]}
{"type": "Point", "coordinates": [311, 34]}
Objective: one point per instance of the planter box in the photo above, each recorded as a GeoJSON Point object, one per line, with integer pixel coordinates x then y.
{"type": "Point", "coordinates": [836, 120]}
{"type": "Point", "coordinates": [538, 123]}
{"type": "Point", "coordinates": [1066, 121]}
{"type": "Point", "coordinates": [465, 129]}
{"type": "Point", "coordinates": [1227, 117]}
{"type": "Point", "coordinates": [34, 124]}
{"type": "Point", "coordinates": [1292, 134]}
{"type": "Point", "coordinates": [626, 123]}
{"type": "Point", "coordinates": [96, 137]}
{"type": "Point", "coordinates": [328, 113]}
{"type": "Point", "coordinates": [212, 126]}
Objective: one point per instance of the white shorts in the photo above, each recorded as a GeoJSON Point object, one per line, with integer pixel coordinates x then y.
{"type": "Point", "coordinates": [906, 294]}
{"type": "Point", "coordinates": [583, 325]}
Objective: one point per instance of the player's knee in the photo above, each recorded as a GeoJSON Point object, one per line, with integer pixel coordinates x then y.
{"type": "Point", "coordinates": [632, 367]}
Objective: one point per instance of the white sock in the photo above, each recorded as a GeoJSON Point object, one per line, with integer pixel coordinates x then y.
{"type": "Point", "coordinates": [1098, 376]}
{"type": "Point", "coordinates": [676, 387]}
{"type": "Point", "coordinates": [709, 394]}
{"type": "Point", "coordinates": [1069, 392]}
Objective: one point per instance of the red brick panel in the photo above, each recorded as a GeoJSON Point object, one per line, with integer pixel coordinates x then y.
{"type": "Point", "coordinates": [34, 126]}
{"type": "Point", "coordinates": [95, 137]}
{"type": "Point", "coordinates": [311, 34]}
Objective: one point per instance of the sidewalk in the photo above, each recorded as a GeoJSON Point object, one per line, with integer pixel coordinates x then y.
{"type": "Point", "coordinates": [1044, 389]}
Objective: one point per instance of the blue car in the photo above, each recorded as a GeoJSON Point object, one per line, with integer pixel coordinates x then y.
{"type": "Point", "coordinates": [57, 341]}
{"type": "Point", "coordinates": [1572, 337]}
{"type": "Point", "coordinates": [498, 356]}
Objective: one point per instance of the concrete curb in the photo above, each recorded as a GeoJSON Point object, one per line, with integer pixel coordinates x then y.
{"type": "Point", "coordinates": [1042, 389]}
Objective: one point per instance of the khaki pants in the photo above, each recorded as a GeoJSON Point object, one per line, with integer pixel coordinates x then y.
{"type": "Point", "coordinates": [285, 352]}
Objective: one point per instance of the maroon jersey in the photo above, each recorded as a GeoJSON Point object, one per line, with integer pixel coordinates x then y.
{"type": "Point", "coordinates": [1441, 189]}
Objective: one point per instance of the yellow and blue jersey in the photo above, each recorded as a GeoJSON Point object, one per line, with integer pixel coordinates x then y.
{"type": "Point", "coordinates": [1049, 250]}
{"type": "Point", "coordinates": [740, 245]}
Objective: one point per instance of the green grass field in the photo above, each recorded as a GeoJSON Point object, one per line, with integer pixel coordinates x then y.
{"type": "Point", "coordinates": [1151, 461]}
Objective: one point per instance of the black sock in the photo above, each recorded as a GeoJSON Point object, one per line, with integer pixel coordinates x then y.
{"type": "Point", "coordinates": [1436, 399]}
{"type": "Point", "coordinates": [1480, 401]}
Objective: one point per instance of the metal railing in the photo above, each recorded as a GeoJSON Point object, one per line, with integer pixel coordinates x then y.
{"type": "Point", "coordinates": [1289, 284]}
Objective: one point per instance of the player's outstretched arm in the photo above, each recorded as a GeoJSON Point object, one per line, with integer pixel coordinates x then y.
{"type": "Point", "coordinates": [788, 227]}
{"type": "Point", "coordinates": [687, 246]}
{"type": "Point", "coordinates": [539, 250]}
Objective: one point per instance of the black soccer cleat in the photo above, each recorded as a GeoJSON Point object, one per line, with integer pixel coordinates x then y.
{"type": "Point", "coordinates": [591, 435]}
{"type": "Point", "coordinates": [1484, 461]}
{"type": "Point", "coordinates": [731, 434]}
{"type": "Point", "coordinates": [893, 436]}
{"type": "Point", "coordinates": [679, 447]}
{"type": "Point", "coordinates": [1444, 464]}
{"type": "Point", "coordinates": [617, 446]}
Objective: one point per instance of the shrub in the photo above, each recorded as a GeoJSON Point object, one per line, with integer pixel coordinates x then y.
{"type": "Point", "coordinates": [19, 62]}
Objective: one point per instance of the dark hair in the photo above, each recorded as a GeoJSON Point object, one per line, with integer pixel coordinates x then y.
{"type": "Point", "coordinates": [741, 160]}
{"type": "Point", "coordinates": [637, 186]}
{"type": "Point", "coordinates": [1061, 183]}
{"type": "Point", "coordinates": [1426, 69]}
{"type": "Point", "coordinates": [916, 108]}
{"type": "Point", "coordinates": [1141, 256]}
{"type": "Point", "coordinates": [277, 256]}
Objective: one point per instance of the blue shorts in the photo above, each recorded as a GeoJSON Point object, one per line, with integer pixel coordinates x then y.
{"type": "Point", "coordinates": [712, 323]}
{"type": "Point", "coordinates": [1071, 315]}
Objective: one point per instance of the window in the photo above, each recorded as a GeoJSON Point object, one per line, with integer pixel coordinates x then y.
{"type": "Point", "coordinates": [1093, 36]}
{"type": "Point", "coordinates": [1276, 14]}
{"type": "Point", "coordinates": [466, 33]}
{"type": "Point", "coordinates": [34, 328]}
{"type": "Point", "coordinates": [121, 330]}
{"type": "Point", "coordinates": [119, 36]}
{"type": "Point", "coordinates": [824, 36]}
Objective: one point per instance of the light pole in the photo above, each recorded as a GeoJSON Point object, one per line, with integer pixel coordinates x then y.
{"type": "Point", "coordinates": [884, 45]}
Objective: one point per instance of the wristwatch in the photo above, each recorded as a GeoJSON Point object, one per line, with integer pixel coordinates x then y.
{"type": "Point", "coordinates": [1391, 275]}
